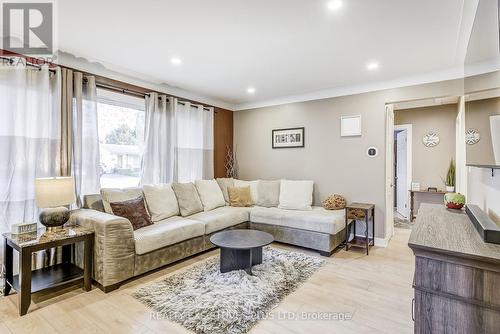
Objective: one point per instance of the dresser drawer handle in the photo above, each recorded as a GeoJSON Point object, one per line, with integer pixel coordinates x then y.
{"type": "Point", "coordinates": [413, 309]}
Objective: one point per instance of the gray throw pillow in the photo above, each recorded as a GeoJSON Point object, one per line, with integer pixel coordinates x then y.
{"type": "Point", "coordinates": [225, 183]}
{"type": "Point", "coordinates": [188, 198]}
{"type": "Point", "coordinates": [269, 193]}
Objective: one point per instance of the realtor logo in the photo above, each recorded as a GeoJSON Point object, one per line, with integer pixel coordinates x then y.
{"type": "Point", "coordinates": [28, 27]}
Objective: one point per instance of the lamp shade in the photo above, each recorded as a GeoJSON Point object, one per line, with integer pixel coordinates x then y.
{"type": "Point", "coordinates": [54, 191]}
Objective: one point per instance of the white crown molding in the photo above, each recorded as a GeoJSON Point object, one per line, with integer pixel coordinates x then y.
{"type": "Point", "coordinates": [488, 66]}
{"type": "Point", "coordinates": [117, 73]}
{"type": "Point", "coordinates": [443, 75]}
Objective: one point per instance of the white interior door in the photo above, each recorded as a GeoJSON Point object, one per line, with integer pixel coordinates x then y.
{"type": "Point", "coordinates": [401, 171]}
{"type": "Point", "coordinates": [389, 171]}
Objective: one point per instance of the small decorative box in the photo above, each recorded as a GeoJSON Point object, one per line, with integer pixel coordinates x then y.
{"type": "Point", "coordinates": [23, 228]}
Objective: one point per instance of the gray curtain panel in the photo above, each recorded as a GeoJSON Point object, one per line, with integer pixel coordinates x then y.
{"type": "Point", "coordinates": [79, 132]}
{"type": "Point", "coordinates": [66, 149]}
{"type": "Point", "coordinates": [158, 158]}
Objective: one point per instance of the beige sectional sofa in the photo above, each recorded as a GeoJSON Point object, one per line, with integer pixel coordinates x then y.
{"type": "Point", "coordinates": [121, 253]}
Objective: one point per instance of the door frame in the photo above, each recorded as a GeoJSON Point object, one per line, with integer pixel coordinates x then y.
{"type": "Point", "coordinates": [409, 162]}
{"type": "Point", "coordinates": [389, 172]}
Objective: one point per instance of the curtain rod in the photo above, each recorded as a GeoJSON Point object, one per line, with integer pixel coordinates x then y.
{"type": "Point", "coordinates": [141, 94]}
{"type": "Point", "coordinates": [108, 87]}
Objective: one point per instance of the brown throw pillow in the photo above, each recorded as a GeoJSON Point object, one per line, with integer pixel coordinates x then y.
{"type": "Point", "coordinates": [134, 210]}
{"type": "Point", "coordinates": [239, 196]}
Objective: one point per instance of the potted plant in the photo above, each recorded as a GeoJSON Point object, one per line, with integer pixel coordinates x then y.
{"type": "Point", "coordinates": [454, 201]}
{"type": "Point", "coordinates": [450, 177]}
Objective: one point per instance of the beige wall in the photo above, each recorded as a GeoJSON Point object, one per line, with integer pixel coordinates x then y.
{"type": "Point", "coordinates": [430, 164]}
{"type": "Point", "coordinates": [337, 165]}
{"type": "Point", "coordinates": [477, 116]}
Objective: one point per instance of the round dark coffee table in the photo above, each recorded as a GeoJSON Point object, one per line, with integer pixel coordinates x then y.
{"type": "Point", "coordinates": [240, 249]}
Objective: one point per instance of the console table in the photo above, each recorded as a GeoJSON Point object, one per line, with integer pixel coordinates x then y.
{"type": "Point", "coordinates": [412, 199]}
{"type": "Point", "coordinates": [29, 281]}
{"type": "Point", "coordinates": [457, 274]}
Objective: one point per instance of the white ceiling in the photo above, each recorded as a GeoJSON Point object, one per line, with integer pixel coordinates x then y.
{"type": "Point", "coordinates": [280, 47]}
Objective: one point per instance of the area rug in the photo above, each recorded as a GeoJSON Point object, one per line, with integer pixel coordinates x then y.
{"type": "Point", "coordinates": [205, 301]}
{"type": "Point", "coordinates": [403, 223]}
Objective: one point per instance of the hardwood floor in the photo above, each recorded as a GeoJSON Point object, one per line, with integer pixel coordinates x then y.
{"type": "Point", "coordinates": [375, 291]}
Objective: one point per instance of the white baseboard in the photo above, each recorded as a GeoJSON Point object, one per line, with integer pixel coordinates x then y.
{"type": "Point", "coordinates": [382, 242]}
{"type": "Point", "coordinates": [379, 242]}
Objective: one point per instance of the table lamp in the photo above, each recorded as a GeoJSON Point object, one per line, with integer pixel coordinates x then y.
{"type": "Point", "coordinates": [54, 195]}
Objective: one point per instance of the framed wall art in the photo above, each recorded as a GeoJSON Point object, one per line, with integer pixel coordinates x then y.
{"type": "Point", "coordinates": [288, 138]}
{"type": "Point", "coordinates": [350, 126]}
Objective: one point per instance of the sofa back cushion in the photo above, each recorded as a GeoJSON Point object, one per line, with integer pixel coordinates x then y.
{"type": "Point", "coordinates": [188, 199]}
{"type": "Point", "coordinates": [210, 194]}
{"type": "Point", "coordinates": [268, 193]}
{"type": "Point", "coordinates": [118, 195]}
{"type": "Point", "coordinates": [93, 201]}
{"type": "Point", "coordinates": [134, 210]}
{"type": "Point", "coordinates": [254, 191]}
{"type": "Point", "coordinates": [296, 195]}
{"type": "Point", "coordinates": [161, 201]}
{"type": "Point", "coordinates": [240, 196]}
{"type": "Point", "coordinates": [224, 183]}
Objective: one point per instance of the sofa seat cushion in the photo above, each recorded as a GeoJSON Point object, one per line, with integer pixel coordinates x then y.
{"type": "Point", "coordinates": [221, 218]}
{"type": "Point", "coordinates": [317, 220]}
{"type": "Point", "coordinates": [166, 232]}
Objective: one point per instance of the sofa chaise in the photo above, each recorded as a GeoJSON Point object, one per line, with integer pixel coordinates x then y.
{"type": "Point", "coordinates": [120, 252]}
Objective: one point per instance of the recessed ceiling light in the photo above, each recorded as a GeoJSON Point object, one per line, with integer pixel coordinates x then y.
{"type": "Point", "coordinates": [334, 4]}
{"type": "Point", "coordinates": [251, 90]}
{"type": "Point", "coordinates": [176, 61]}
{"type": "Point", "coordinates": [372, 65]}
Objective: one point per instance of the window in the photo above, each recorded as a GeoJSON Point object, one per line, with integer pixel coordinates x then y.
{"type": "Point", "coordinates": [121, 138]}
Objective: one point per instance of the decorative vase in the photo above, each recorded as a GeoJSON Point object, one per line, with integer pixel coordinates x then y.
{"type": "Point", "coordinates": [450, 189]}
{"type": "Point", "coordinates": [454, 201]}
{"type": "Point", "coordinates": [54, 218]}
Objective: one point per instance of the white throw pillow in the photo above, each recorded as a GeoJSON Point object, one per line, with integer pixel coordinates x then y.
{"type": "Point", "coordinates": [161, 201]}
{"type": "Point", "coordinates": [296, 195]}
{"type": "Point", "coordinates": [210, 194]}
{"type": "Point", "coordinates": [254, 188]}
{"type": "Point", "coordinates": [269, 193]}
{"type": "Point", "coordinates": [111, 195]}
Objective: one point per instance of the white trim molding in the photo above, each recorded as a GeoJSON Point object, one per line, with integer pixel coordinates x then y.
{"type": "Point", "coordinates": [382, 242]}
{"type": "Point", "coordinates": [457, 72]}
{"type": "Point", "coordinates": [379, 242]}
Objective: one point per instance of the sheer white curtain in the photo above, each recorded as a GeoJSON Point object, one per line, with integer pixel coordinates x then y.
{"type": "Point", "coordinates": [195, 142]}
{"type": "Point", "coordinates": [29, 138]}
{"type": "Point", "coordinates": [158, 158]}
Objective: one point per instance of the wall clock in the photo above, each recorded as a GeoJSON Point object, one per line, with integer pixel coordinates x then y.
{"type": "Point", "coordinates": [431, 139]}
{"type": "Point", "coordinates": [472, 136]}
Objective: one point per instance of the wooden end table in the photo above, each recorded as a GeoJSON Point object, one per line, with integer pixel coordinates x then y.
{"type": "Point", "coordinates": [362, 212]}
{"type": "Point", "coordinates": [29, 281]}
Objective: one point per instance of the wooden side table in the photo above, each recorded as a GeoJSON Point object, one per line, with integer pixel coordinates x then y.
{"type": "Point", "coordinates": [29, 281]}
{"type": "Point", "coordinates": [362, 212]}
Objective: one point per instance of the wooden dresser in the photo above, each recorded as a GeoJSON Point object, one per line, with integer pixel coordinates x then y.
{"type": "Point", "coordinates": [457, 274]}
